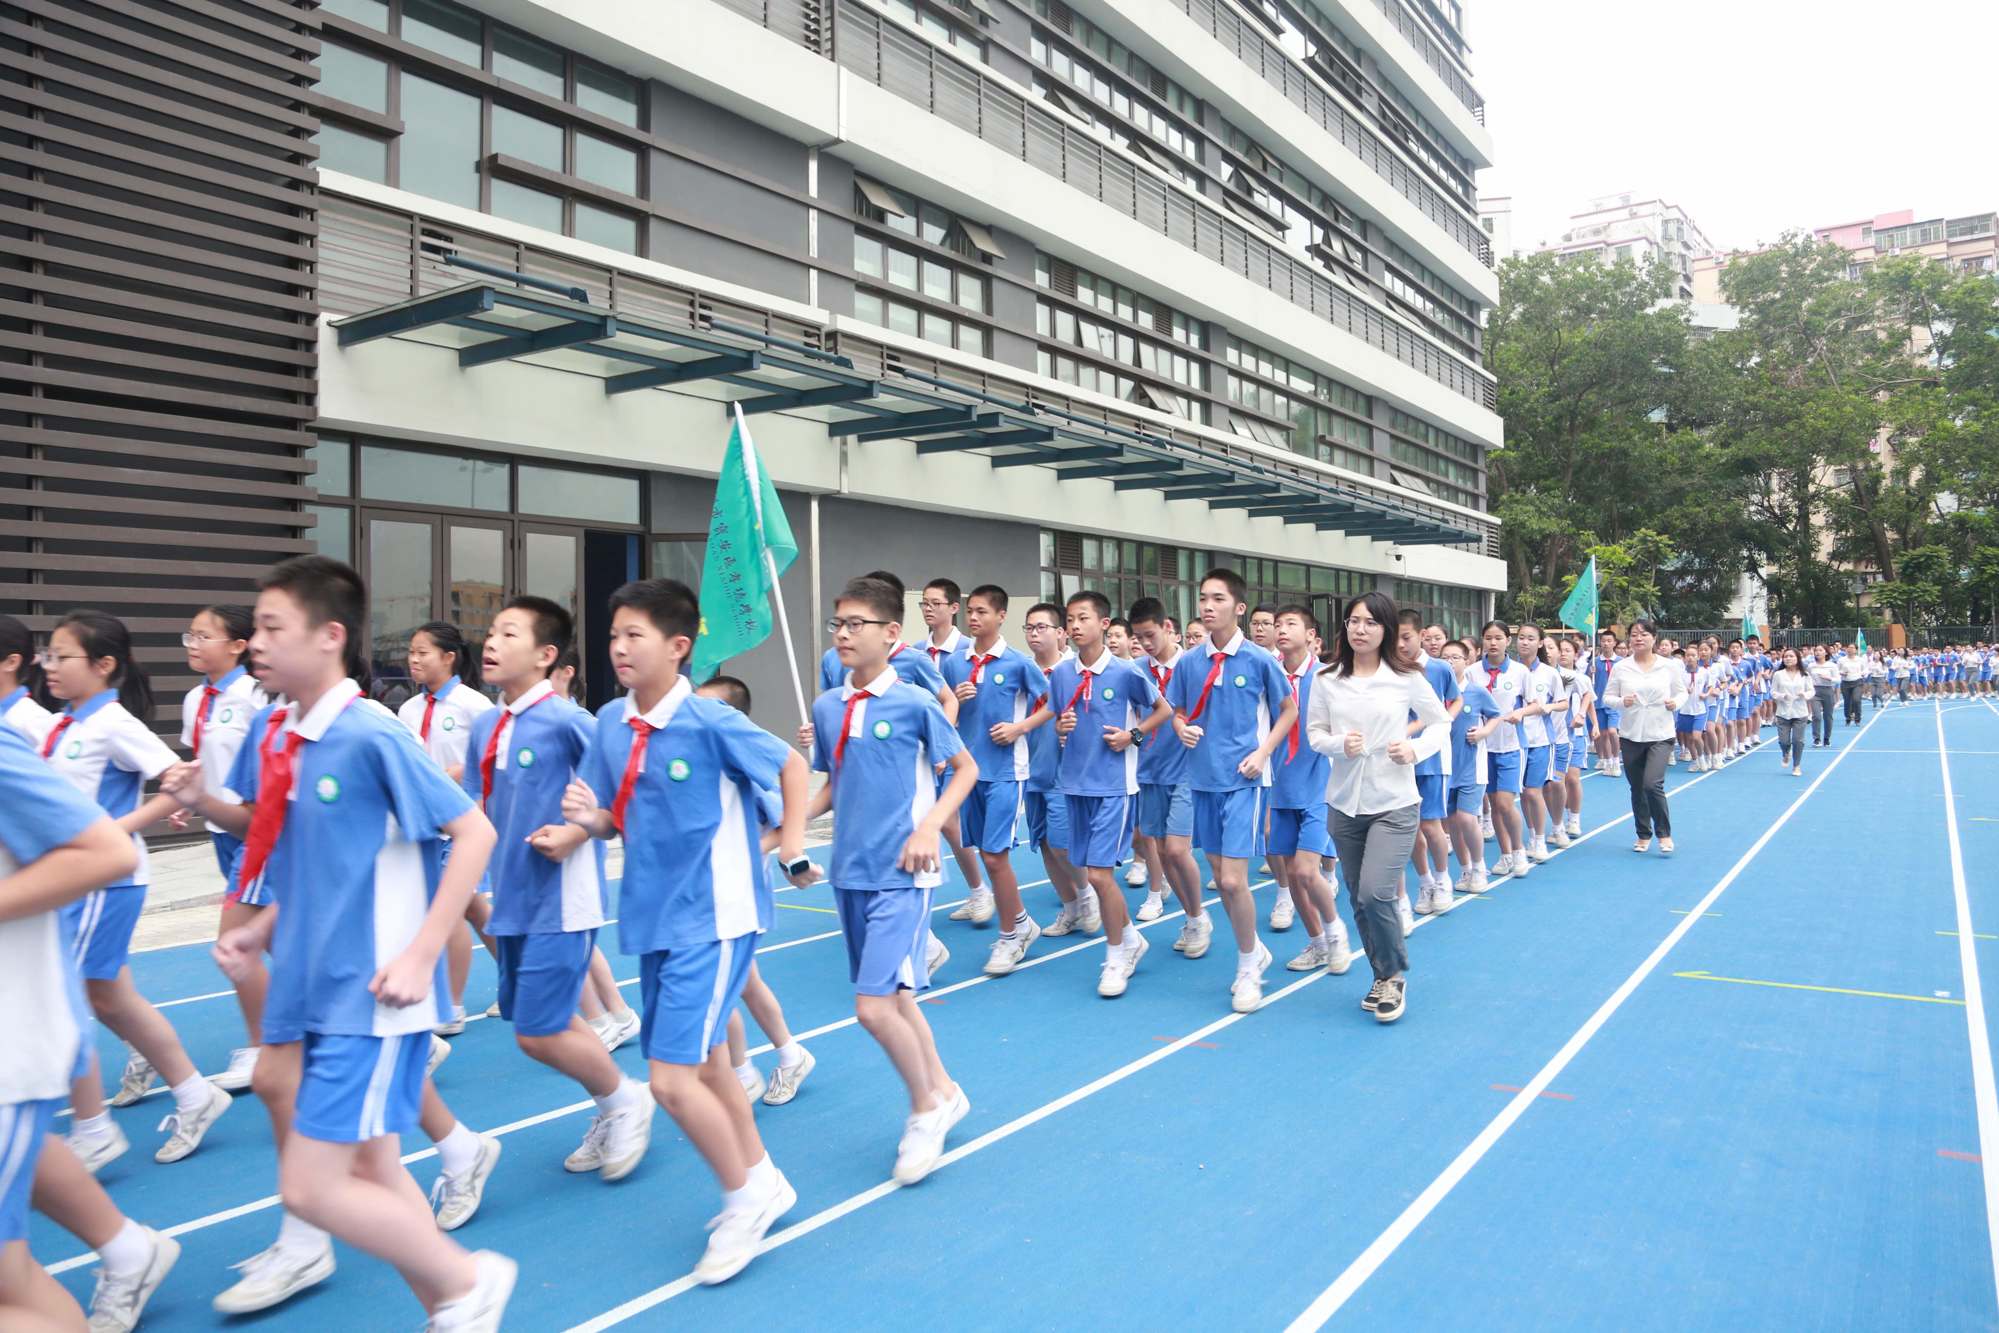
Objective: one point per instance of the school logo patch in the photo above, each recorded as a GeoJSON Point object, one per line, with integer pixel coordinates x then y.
{"type": "Point", "coordinates": [327, 789]}
{"type": "Point", "coordinates": [1241, 681]}
{"type": "Point", "coordinates": [74, 750]}
{"type": "Point", "coordinates": [525, 758]}
{"type": "Point", "coordinates": [678, 770]}
{"type": "Point", "coordinates": [1110, 694]}
{"type": "Point", "coordinates": [999, 677]}
{"type": "Point", "coordinates": [227, 713]}
{"type": "Point", "coordinates": [450, 722]}
{"type": "Point", "coordinates": [882, 730]}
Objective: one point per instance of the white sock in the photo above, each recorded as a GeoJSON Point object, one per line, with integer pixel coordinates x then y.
{"type": "Point", "coordinates": [94, 1125]}
{"type": "Point", "coordinates": [1283, 894]}
{"type": "Point", "coordinates": [791, 1053]}
{"type": "Point", "coordinates": [298, 1236]}
{"type": "Point", "coordinates": [458, 1150]}
{"type": "Point", "coordinates": [127, 1251]}
{"type": "Point", "coordinates": [621, 1098]}
{"type": "Point", "coordinates": [764, 1173]}
{"type": "Point", "coordinates": [191, 1094]}
{"type": "Point", "coordinates": [746, 1072]}
{"type": "Point", "coordinates": [1319, 940]}
{"type": "Point", "coordinates": [1155, 895]}
{"type": "Point", "coordinates": [1246, 962]}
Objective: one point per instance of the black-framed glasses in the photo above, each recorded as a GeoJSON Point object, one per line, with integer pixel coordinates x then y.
{"type": "Point", "coordinates": [852, 624]}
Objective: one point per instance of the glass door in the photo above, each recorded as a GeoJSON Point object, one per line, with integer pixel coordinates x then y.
{"type": "Point", "coordinates": [401, 571]}
{"type": "Point", "coordinates": [550, 562]}
{"type": "Point", "coordinates": [478, 576]}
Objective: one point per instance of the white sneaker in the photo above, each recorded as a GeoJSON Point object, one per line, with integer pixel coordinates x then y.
{"type": "Point", "coordinates": [1007, 954]}
{"type": "Point", "coordinates": [1338, 957]}
{"type": "Point", "coordinates": [1153, 907]}
{"type": "Point", "coordinates": [1485, 829]}
{"type": "Point", "coordinates": [440, 1051]}
{"type": "Point", "coordinates": [493, 1009]}
{"type": "Point", "coordinates": [1064, 922]}
{"type": "Point", "coordinates": [1137, 875]}
{"type": "Point", "coordinates": [1408, 917]}
{"type": "Point", "coordinates": [735, 1236]}
{"type": "Point", "coordinates": [139, 1076]}
{"type": "Point", "coordinates": [455, 1025]}
{"type": "Point", "coordinates": [616, 1141]}
{"type": "Point", "coordinates": [1089, 916]}
{"type": "Point", "coordinates": [1521, 865]}
{"type": "Point", "coordinates": [96, 1151]}
{"type": "Point", "coordinates": [786, 1079]}
{"type": "Point", "coordinates": [242, 1064]}
{"type": "Point", "coordinates": [754, 1085]}
{"type": "Point", "coordinates": [118, 1300]}
{"type": "Point", "coordinates": [1119, 963]}
{"type": "Point", "coordinates": [1196, 935]}
{"type": "Point", "coordinates": [1473, 880]}
{"type": "Point", "coordinates": [1283, 913]}
{"type": "Point", "coordinates": [614, 1031]}
{"type": "Point", "coordinates": [185, 1132]}
{"type": "Point", "coordinates": [272, 1277]}
{"type": "Point", "coordinates": [1311, 959]}
{"type": "Point", "coordinates": [982, 905]}
{"type": "Point", "coordinates": [479, 1310]}
{"type": "Point", "coordinates": [1423, 897]}
{"type": "Point", "coordinates": [936, 957]}
{"type": "Point", "coordinates": [1575, 827]}
{"type": "Point", "coordinates": [923, 1138]}
{"type": "Point", "coordinates": [454, 1198]}
{"type": "Point", "coordinates": [1246, 994]}
{"type": "Point", "coordinates": [1560, 837]}
{"type": "Point", "coordinates": [1538, 853]}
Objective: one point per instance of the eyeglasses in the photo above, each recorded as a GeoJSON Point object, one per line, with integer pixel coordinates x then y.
{"type": "Point", "coordinates": [852, 624]}
{"type": "Point", "coordinates": [930, 605]}
{"type": "Point", "coordinates": [49, 657]}
{"type": "Point", "coordinates": [192, 640]}
{"type": "Point", "coordinates": [1042, 629]}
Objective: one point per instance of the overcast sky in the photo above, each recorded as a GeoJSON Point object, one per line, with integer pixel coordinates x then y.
{"type": "Point", "coordinates": [1753, 115]}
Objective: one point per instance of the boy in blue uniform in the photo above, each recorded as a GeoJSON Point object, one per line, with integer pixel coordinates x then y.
{"type": "Point", "coordinates": [1233, 715]}
{"type": "Point", "coordinates": [1477, 717]}
{"type": "Point", "coordinates": [357, 940]}
{"type": "Point", "coordinates": [547, 875]}
{"type": "Point", "coordinates": [1429, 856]}
{"type": "Point", "coordinates": [1047, 810]}
{"type": "Point", "coordinates": [878, 741]}
{"type": "Point", "coordinates": [1095, 698]}
{"type": "Point", "coordinates": [682, 776]}
{"type": "Point", "coordinates": [997, 686]}
{"type": "Point", "coordinates": [1298, 805]}
{"type": "Point", "coordinates": [1165, 800]}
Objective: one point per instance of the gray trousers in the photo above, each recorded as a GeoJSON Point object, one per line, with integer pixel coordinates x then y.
{"type": "Point", "coordinates": [1374, 851]}
{"type": "Point", "coordinates": [1791, 738]}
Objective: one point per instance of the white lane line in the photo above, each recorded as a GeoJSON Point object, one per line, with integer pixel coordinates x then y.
{"type": "Point", "coordinates": [1982, 1091]}
{"type": "Point", "coordinates": [1329, 1301]}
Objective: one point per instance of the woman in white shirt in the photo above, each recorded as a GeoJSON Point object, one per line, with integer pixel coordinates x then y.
{"type": "Point", "coordinates": [1825, 687]}
{"type": "Point", "coordinates": [1793, 690]}
{"type": "Point", "coordinates": [1358, 715]}
{"type": "Point", "coordinates": [1649, 690]}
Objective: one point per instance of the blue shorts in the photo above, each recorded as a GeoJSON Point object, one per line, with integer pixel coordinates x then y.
{"type": "Point", "coordinates": [99, 927]}
{"type": "Point", "coordinates": [229, 859]}
{"type": "Point", "coordinates": [1558, 760]}
{"type": "Point", "coordinates": [1100, 829]}
{"type": "Point", "coordinates": [1467, 800]}
{"type": "Point", "coordinates": [888, 938]}
{"type": "Point", "coordinates": [541, 978]}
{"type": "Point", "coordinates": [1293, 831]}
{"type": "Point", "coordinates": [1230, 823]}
{"type": "Point", "coordinates": [359, 1088]}
{"type": "Point", "coordinates": [1534, 766]}
{"type": "Point", "coordinates": [1430, 791]}
{"type": "Point", "coordinates": [687, 994]}
{"type": "Point", "coordinates": [1608, 718]}
{"type": "Point", "coordinates": [1165, 811]}
{"type": "Point", "coordinates": [23, 1127]}
{"type": "Point", "coordinates": [990, 817]}
{"type": "Point", "coordinates": [1505, 771]}
{"type": "Point", "coordinates": [1048, 819]}
{"type": "Point", "coordinates": [1689, 722]}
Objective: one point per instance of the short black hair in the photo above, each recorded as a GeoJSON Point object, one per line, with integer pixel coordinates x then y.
{"type": "Point", "coordinates": [1150, 610]}
{"type": "Point", "coordinates": [1238, 590]}
{"type": "Point", "coordinates": [1050, 608]}
{"type": "Point", "coordinates": [1302, 611]}
{"type": "Point", "coordinates": [1262, 607]}
{"type": "Point", "coordinates": [882, 598]}
{"type": "Point", "coordinates": [733, 692]}
{"type": "Point", "coordinates": [1100, 603]}
{"type": "Point", "coordinates": [574, 663]}
{"type": "Point", "coordinates": [668, 603]}
{"type": "Point", "coordinates": [553, 626]}
{"type": "Point", "coordinates": [329, 592]}
{"type": "Point", "coordinates": [994, 595]}
{"type": "Point", "coordinates": [1119, 622]}
{"type": "Point", "coordinates": [1413, 619]}
{"type": "Point", "coordinates": [892, 580]}
{"type": "Point", "coordinates": [948, 588]}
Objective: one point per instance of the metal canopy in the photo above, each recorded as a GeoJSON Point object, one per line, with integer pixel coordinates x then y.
{"type": "Point", "coordinates": [490, 322]}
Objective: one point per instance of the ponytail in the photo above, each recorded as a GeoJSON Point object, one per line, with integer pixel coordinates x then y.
{"type": "Point", "coordinates": [16, 640]}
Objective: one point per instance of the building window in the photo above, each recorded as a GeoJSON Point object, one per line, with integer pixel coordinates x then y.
{"type": "Point", "coordinates": [1458, 610]}
{"type": "Point", "coordinates": [930, 253]}
{"type": "Point", "coordinates": [948, 29]}
{"type": "Point", "coordinates": [1125, 571]}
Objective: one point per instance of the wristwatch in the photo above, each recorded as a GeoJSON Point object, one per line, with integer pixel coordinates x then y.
{"type": "Point", "coordinates": [796, 868]}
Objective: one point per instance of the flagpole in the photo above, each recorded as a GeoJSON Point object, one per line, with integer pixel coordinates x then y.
{"type": "Point", "coordinates": [770, 563]}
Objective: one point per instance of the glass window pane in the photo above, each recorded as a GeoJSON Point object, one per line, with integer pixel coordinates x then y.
{"type": "Point", "coordinates": [527, 62]}
{"type": "Point", "coordinates": [475, 585]}
{"type": "Point", "coordinates": [972, 292]}
{"type": "Point", "coordinates": [399, 570]}
{"type": "Point", "coordinates": [548, 567]}
{"type": "Point", "coordinates": [902, 269]}
{"type": "Point", "coordinates": [936, 281]}
{"type": "Point", "coordinates": [409, 477]}
{"type": "Point", "coordinates": [374, 13]}
{"type": "Point", "coordinates": [603, 226]}
{"type": "Point", "coordinates": [607, 92]}
{"type": "Point", "coordinates": [936, 329]}
{"type": "Point", "coordinates": [972, 338]}
{"type": "Point", "coordinates": [607, 163]}
{"type": "Point", "coordinates": [334, 457]}
{"type": "Point", "coordinates": [445, 29]}
{"type": "Point", "coordinates": [440, 143]}
{"type": "Point", "coordinates": [525, 137]}
{"type": "Point", "coordinates": [586, 495]}
{"type": "Point", "coordinates": [868, 307]}
{"type": "Point", "coordinates": [344, 150]}
{"type": "Point", "coordinates": [935, 224]}
{"type": "Point", "coordinates": [353, 77]}
{"type": "Point", "coordinates": [334, 532]}
{"type": "Point", "coordinates": [536, 208]}
{"type": "Point", "coordinates": [868, 256]}
{"type": "Point", "coordinates": [902, 318]}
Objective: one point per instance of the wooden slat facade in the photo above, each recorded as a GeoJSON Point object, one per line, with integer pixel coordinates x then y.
{"type": "Point", "coordinates": [158, 245]}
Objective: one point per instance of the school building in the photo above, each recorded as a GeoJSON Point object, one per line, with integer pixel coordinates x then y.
{"type": "Point", "coordinates": [1042, 294]}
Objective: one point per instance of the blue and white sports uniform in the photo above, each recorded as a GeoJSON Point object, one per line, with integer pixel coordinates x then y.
{"type": "Point", "coordinates": [353, 871]}
{"type": "Point", "coordinates": [231, 707]}
{"type": "Point", "coordinates": [691, 918]}
{"type": "Point", "coordinates": [1558, 725]}
{"type": "Point", "coordinates": [1047, 809]}
{"type": "Point", "coordinates": [108, 755]}
{"type": "Point", "coordinates": [1507, 683]}
{"type": "Point", "coordinates": [1298, 783]}
{"type": "Point", "coordinates": [1247, 695]}
{"type": "Point", "coordinates": [1433, 772]}
{"type": "Point", "coordinates": [909, 663]}
{"type": "Point", "coordinates": [1165, 798]}
{"type": "Point", "coordinates": [1468, 757]}
{"type": "Point", "coordinates": [1098, 782]}
{"type": "Point", "coordinates": [19, 710]}
{"type": "Point", "coordinates": [1534, 754]}
{"type": "Point", "coordinates": [40, 994]}
{"type": "Point", "coordinates": [1008, 685]}
{"type": "Point", "coordinates": [881, 775]}
{"type": "Point", "coordinates": [545, 913]}
{"type": "Point", "coordinates": [1607, 711]}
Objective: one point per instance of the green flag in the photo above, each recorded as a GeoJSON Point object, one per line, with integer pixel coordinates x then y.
{"type": "Point", "coordinates": [1748, 626]}
{"type": "Point", "coordinates": [1860, 640]}
{"type": "Point", "coordinates": [749, 545]}
{"type": "Point", "coordinates": [1579, 612]}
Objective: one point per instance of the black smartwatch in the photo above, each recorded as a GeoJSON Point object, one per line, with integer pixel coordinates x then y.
{"type": "Point", "coordinates": [796, 868]}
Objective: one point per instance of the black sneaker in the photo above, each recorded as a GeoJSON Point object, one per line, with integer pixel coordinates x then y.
{"type": "Point", "coordinates": [1373, 996]}
{"type": "Point", "coordinates": [1389, 1007]}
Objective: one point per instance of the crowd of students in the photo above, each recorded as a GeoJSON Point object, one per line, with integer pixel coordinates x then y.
{"type": "Point", "coordinates": [1328, 754]}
